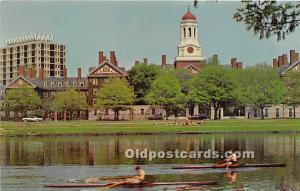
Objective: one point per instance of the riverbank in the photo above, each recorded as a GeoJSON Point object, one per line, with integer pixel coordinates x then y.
{"type": "Point", "coordinates": [148, 127]}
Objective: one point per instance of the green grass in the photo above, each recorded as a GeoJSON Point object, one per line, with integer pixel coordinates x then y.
{"type": "Point", "coordinates": [144, 127]}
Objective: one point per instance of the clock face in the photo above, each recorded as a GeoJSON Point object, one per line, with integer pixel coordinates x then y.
{"type": "Point", "coordinates": [190, 49]}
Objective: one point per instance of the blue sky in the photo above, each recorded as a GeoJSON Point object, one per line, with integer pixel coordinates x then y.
{"type": "Point", "coordinates": [136, 30]}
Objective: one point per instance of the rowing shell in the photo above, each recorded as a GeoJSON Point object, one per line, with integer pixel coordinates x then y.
{"type": "Point", "coordinates": [146, 184]}
{"type": "Point", "coordinates": [231, 166]}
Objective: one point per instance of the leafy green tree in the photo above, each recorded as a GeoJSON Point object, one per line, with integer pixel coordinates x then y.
{"type": "Point", "coordinates": [165, 91]}
{"type": "Point", "coordinates": [140, 78]}
{"type": "Point", "coordinates": [69, 100]}
{"type": "Point", "coordinates": [213, 87]}
{"type": "Point", "coordinates": [21, 100]}
{"type": "Point", "coordinates": [269, 18]}
{"type": "Point", "coordinates": [292, 89]}
{"type": "Point", "coordinates": [184, 76]}
{"type": "Point", "coordinates": [116, 94]}
{"type": "Point", "coordinates": [261, 87]}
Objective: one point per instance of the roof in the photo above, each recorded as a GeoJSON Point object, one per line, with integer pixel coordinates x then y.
{"type": "Point", "coordinates": [189, 16]}
{"type": "Point", "coordinates": [119, 70]}
{"type": "Point", "coordinates": [55, 83]}
{"type": "Point", "coordinates": [285, 68]}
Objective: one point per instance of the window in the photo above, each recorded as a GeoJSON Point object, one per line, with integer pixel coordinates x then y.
{"type": "Point", "coordinates": [95, 91]}
{"type": "Point", "coordinates": [190, 32]}
{"type": "Point", "coordinates": [95, 81]}
{"type": "Point", "coordinates": [153, 111]}
{"type": "Point", "coordinates": [277, 112]}
{"type": "Point", "coordinates": [106, 111]}
{"type": "Point", "coordinates": [184, 32]}
{"type": "Point", "coordinates": [195, 32]}
{"type": "Point", "coordinates": [266, 112]}
{"type": "Point", "coordinates": [94, 101]}
{"type": "Point", "coordinates": [33, 46]}
{"type": "Point", "coordinates": [142, 112]}
{"type": "Point", "coordinates": [291, 112]}
{"type": "Point", "coordinates": [95, 111]}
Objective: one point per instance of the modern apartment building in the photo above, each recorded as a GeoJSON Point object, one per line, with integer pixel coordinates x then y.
{"type": "Point", "coordinates": [35, 55]}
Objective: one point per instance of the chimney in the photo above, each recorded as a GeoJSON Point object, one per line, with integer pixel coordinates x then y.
{"type": "Point", "coordinates": [275, 63]}
{"type": "Point", "coordinates": [233, 63]}
{"type": "Point", "coordinates": [145, 61]}
{"type": "Point", "coordinates": [113, 58]}
{"type": "Point", "coordinates": [78, 74]}
{"type": "Point", "coordinates": [136, 62]}
{"type": "Point", "coordinates": [65, 73]}
{"type": "Point", "coordinates": [239, 65]}
{"type": "Point", "coordinates": [292, 56]}
{"type": "Point", "coordinates": [101, 56]}
{"type": "Point", "coordinates": [163, 60]}
{"type": "Point", "coordinates": [285, 59]}
{"type": "Point", "coordinates": [21, 70]}
{"type": "Point", "coordinates": [41, 74]}
{"type": "Point", "coordinates": [280, 61]}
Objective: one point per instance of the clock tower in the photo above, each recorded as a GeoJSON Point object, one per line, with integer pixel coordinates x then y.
{"type": "Point", "coordinates": [189, 48]}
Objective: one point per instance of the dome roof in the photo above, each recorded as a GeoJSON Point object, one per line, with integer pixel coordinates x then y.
{"type": "Point", "coordinates": [188, 16]}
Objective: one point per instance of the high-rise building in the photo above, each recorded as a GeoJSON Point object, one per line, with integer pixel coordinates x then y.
{"type": "Point", "coordinates": [32, 56]}
{"type": "Point", "coordinates": [189, 48]}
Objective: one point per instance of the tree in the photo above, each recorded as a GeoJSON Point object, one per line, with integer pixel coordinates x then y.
{"type": "Point", "coordinates": [166, 92]}
{"type": "Point", "coordinates": [261, 87]}
{"type": "Point", "coordinates": [268, 18]}
{"type": "Point", "coordinates": [22, 99]}
{"type": "Point", "coordinates": [184, 76]}
{"type": "Point", "coordinates": [292, 89]}
{"type": "Point", "coordinates": [213, 86]}
{"type": "Point", "coordinates": [116, 94]}
{"type": "Point", "coordinates": [140, 78]}
{"type": "Point", "coordinates": [69, 100]}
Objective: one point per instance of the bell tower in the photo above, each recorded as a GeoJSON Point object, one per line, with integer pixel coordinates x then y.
{"type": "Point", "coordinates": [189, 48]}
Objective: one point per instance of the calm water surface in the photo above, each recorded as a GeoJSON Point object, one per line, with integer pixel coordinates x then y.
{"type": "Point", "coordinates": [29, 162]}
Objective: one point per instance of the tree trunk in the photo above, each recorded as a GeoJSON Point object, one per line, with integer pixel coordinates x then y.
{"type": "Point", "coordinates": [116, 114]}
{"type": "Point", "coordinates": [216, 113]}
{"type": "Point", "coordinates": [55, 116]}
{"type": "Point", "coordinates": [65, 115]}
{"type": "Point", "coordinates": [262, 113]}
{"type": "Point", "coordinates": [70, 115]}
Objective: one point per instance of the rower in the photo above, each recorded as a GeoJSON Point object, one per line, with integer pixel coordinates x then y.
{"type": "Point", "coordinates": [231, 159]}
{"type": "Point", "coordinates": [139, 178]}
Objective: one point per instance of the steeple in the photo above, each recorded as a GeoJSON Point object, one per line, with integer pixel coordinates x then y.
{"type": "Point", "coordinates": [189, 48]}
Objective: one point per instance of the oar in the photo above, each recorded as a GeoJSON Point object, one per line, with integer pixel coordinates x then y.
{"type": "Point", "coordinates": [113, 178]}
{"type": "Point", "coordinates": [113, 185]}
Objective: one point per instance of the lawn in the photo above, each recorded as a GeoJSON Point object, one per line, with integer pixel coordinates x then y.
{"type": "Point", "coordinates": [148, 127]}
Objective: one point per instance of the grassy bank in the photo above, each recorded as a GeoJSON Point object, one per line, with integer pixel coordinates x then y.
{"type": "Point", "coordinates": [147, 127]}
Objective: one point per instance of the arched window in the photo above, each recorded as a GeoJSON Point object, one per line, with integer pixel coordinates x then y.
{"type": "Point", "coordinates": [190, 32]}
{"type": "Point", "coordinates": [195, 32]}
{"type": "Point", "coordinates": [184, 32]}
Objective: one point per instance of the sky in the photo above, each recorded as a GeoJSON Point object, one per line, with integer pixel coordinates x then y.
{"type": "Point", "coordinates": [137, 29]}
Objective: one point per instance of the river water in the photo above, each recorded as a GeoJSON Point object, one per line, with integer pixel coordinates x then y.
{"type": "Point", "coordinates": [29, 162]}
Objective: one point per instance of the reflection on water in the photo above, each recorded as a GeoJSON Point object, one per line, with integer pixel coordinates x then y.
{"type": "Point", "coordinates": [41, 156]}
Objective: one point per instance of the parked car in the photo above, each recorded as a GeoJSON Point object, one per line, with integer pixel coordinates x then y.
{"type": "Point", "coordinates": [155, 117]}
{"type": "Point", "coordinates": [198, 117]}
{"type": "Point", "coordinates": [32, 119]}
